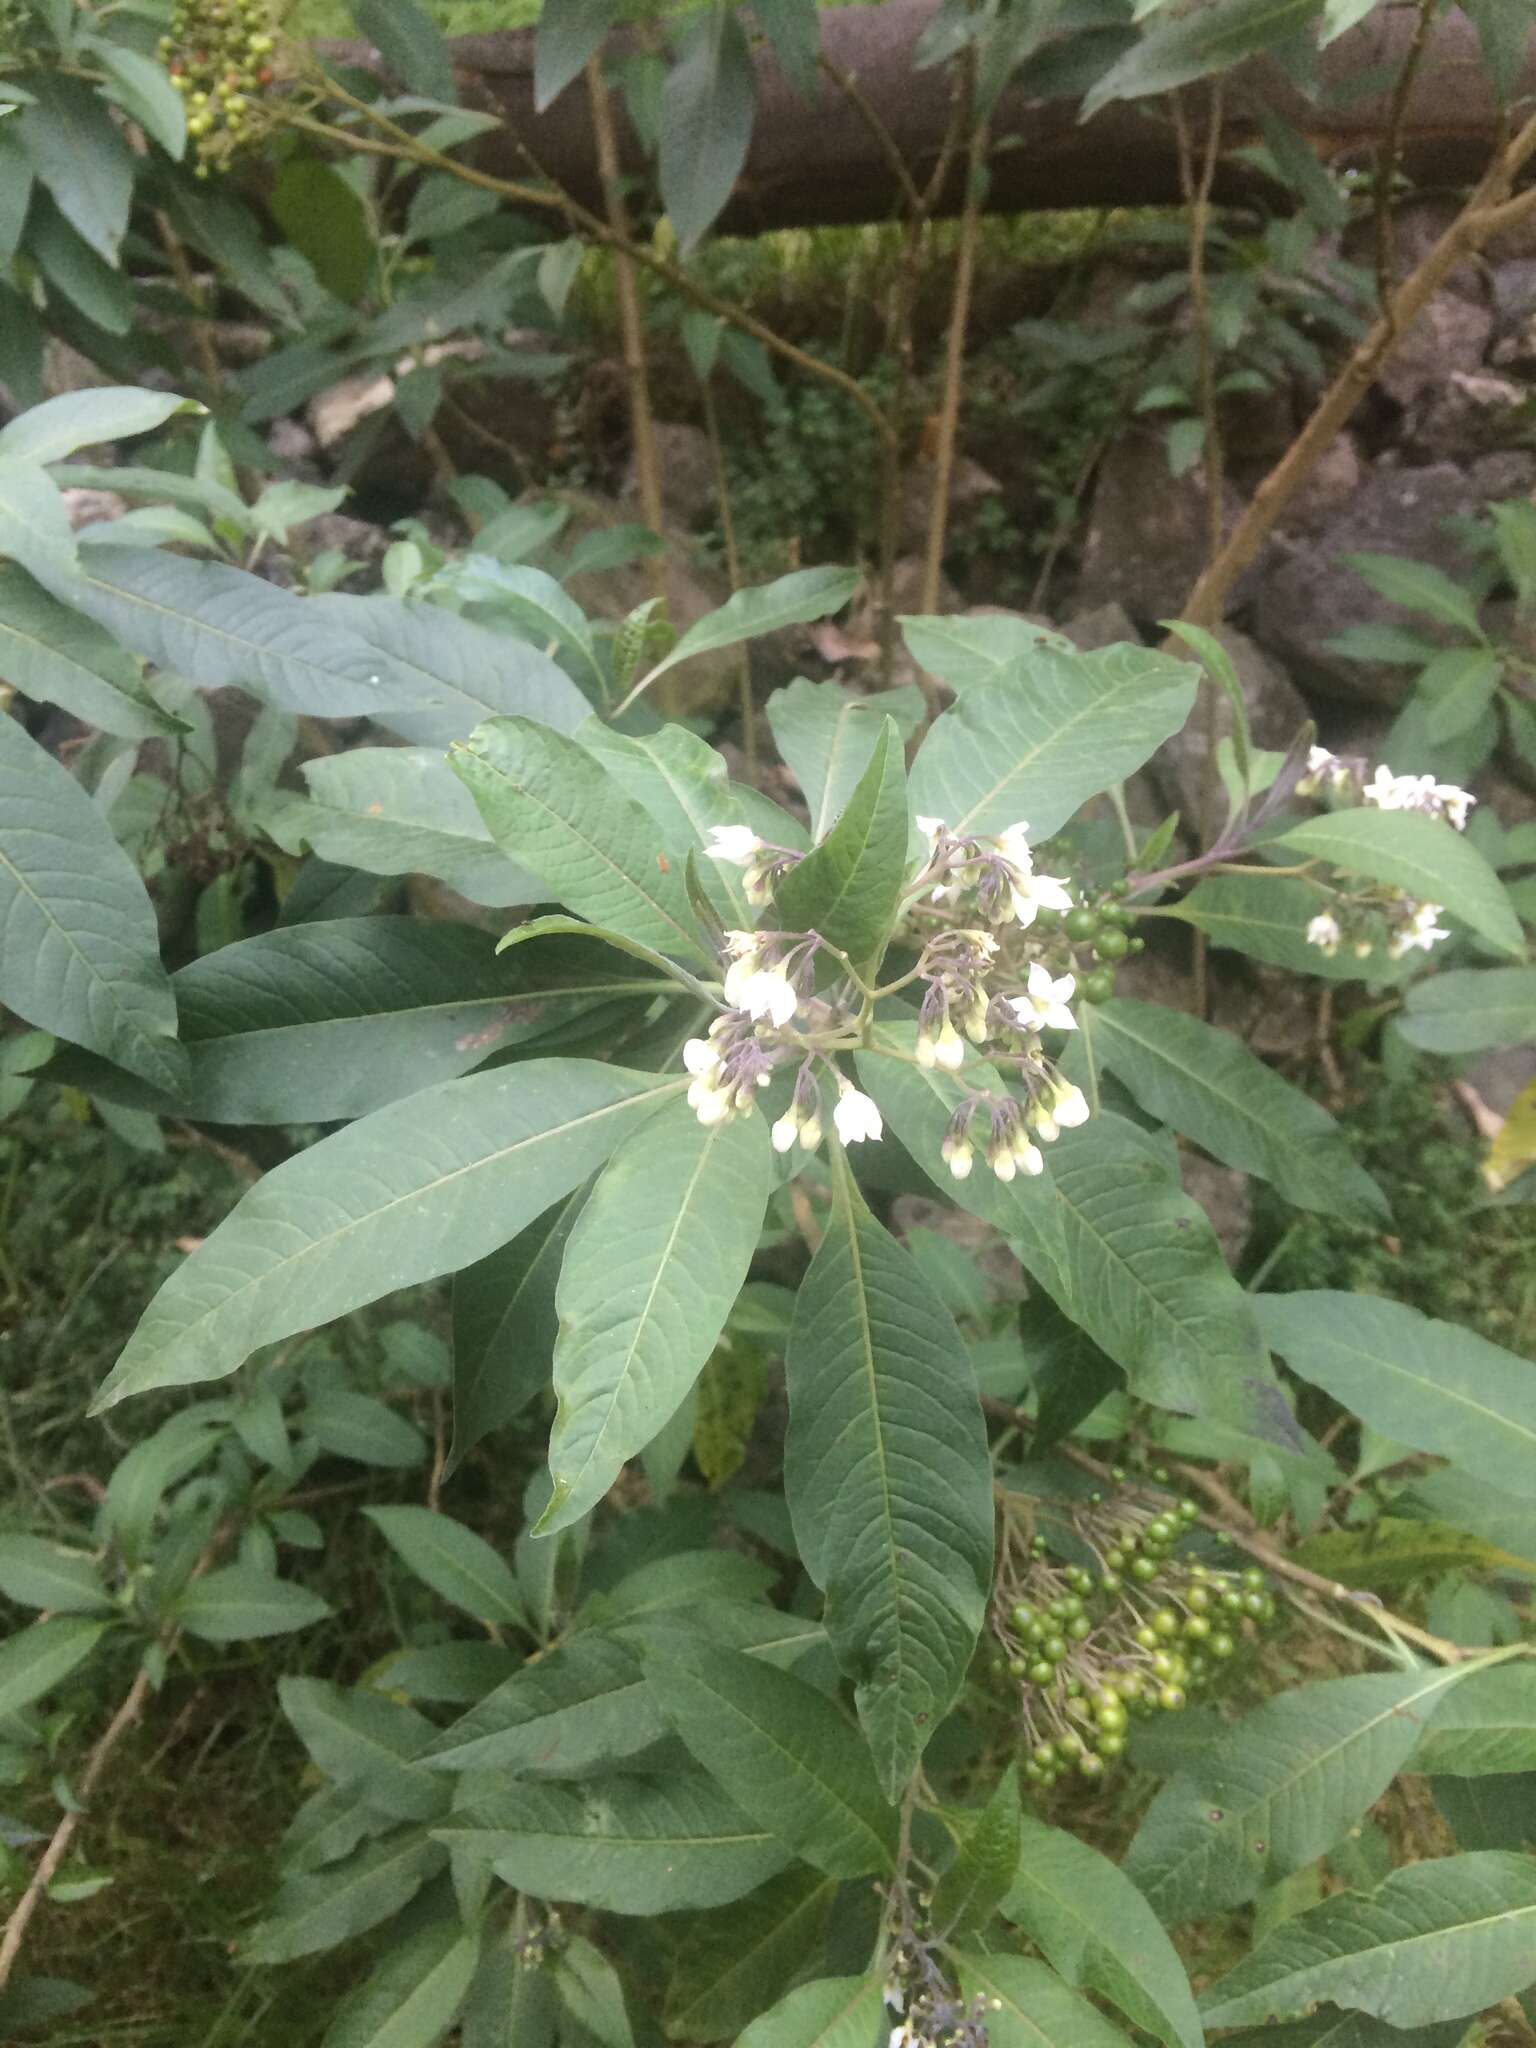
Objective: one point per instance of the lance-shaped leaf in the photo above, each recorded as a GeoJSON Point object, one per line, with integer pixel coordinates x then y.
{"type": "Point", "coordinates": [417, 1189]}
{"type": "Point", "coordinates": [1436, 1941]}
{"type": "Point", "coordinates": [79, 946]}
{"type": "Point", "coordinates": [681, 781]}
{"type": "Point", "coordinates": [783, 1752]}
{"type": "Point", "coordinates": [36, 1659]}
{"type": "Point", "coordinates": [847, 888]}
{"type": "Point", "coordinates": [552, 808]}
{"type": "Point", "coordinates": [1209, 1086]}
{"type": "Point", "coordinates": [463, 671]}
{"type": "Point", "coordinates": [888, 1479]}
{"type": "Point", "coordinates": [625, 1845]}
{"type": "Point", "coordinates": [1486, 1727]}
{"type": "Point", "coordinates": [1175, 50]}
{"type": "Point", "coordinates": [80, 419]}
{"type": "Point", "coordinates": [976, 1881]}
{"type": "Point", "coordinates": [1471, 1010]}
{"type": "Point", "coordinates": [216, 625]}
{"type": "Point", "coordinates": [366, 1743]}
{"type": "Point", "coordinates": [834, 2012]}
{"type": "Point", "coordinates": [399, 811]}
{"type": "Point", "coordinates": [730, 1965]}
{"type": "Point", "coordinates": [790, 601]}
{"type": "Point", "coordinates": [454, 1561]}
{"type": "Point", "coordinates": [962, 651]}
{"type": "Point", "coordinates": [1426, 857]}
{"type": "Point", "coordinates": [1046, 734]}
{"type": "Point", "coordinates": [411, 1998]}
{"type": "Point", "coordinates": [505, 1325]}
{"type": "Point", "coordinates": [827, 733]}
{"type": "Point", "coordinates": [1028, 2006]}
{"type": "Point", "coordinates": [653, 1265]}
{"type": "Point", "coordinates": [319, 1910]}
{"type": "Point", "coordinates": [707, 104]}
{"type": "Point", "coordinates": [1421, 1382]}
{"type": "Point", "coordinates": [1090, 1922]}
{"type": "Point", "coordinates": [586, 1702]}
{"type": "Point", "coordinates": [1330, 2028]}
{"type": "Point", "coordinates": [1266, 917]}
{"type": "Point", "coordinates": [1279, 1789]}
{"type": "Point", "coordinates": [49, 652]}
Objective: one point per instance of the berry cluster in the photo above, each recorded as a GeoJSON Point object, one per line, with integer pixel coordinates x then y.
{"type": "Point", "coordinates": [219, 54]}
{"type": "Point", "coordinates": [1090, 1648]}
{"type": "Point", "coordinates": [1103, 929]}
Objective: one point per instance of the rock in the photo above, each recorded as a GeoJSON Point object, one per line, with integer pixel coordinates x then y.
{"type": "Point", "coordinates": [1416, 227]}
{"type": "Point", "coordinates": [88, 508]}
{"type": "Point", "coordinates": [1472, 413]}
{"type": "Point", "coordinates": [969, 484]}
{"type": "Point", "coordinates": [1222, 1193]}
{"type": "Point", "coordinates": [1107, 625]}
{"type": "Point", "coordinates": [1311, 593]}
{"type": "Point", "coordinates": [1330, 487]}
{"type": "Point", "coordinates": [358, 539]}
{"type": "Point", "coordinates": [1450, 335]}
{"type": "Point", "coordinates": [687, 476]}
{"type": "Point", "coordinates": [1148, 533]}
{"type": "Point", "coordinates": [334, 413]}
{"type": "Point", "coordinates": [1276, 712]}
{"type": "Point", "coordinates": [290, 441]}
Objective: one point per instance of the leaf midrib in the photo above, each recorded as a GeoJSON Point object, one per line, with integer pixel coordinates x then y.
{"type": "Point", "coordinates": [1423, 1384]}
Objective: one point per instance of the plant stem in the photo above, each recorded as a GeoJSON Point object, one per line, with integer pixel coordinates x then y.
{"type": "Point", "coordinates": [954, 367]}
{"type": "Point", "coordinates": [747, 702]}
{"type": "Point", "coordinates": [1387, 155]}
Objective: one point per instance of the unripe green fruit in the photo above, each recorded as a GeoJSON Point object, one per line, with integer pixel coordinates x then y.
{"type": "Point", "coordinates": [1021, 1615]}
{"type": "Point", "coordinates": [1146, 1638]}
{"type": "Point", "coordinates": [1198, 1598]}
{"type": "Point", "coordinates": [1111, 944]}
{"type": "Point", "coordinates": [1111, 1746]}
{"type": "Point", "coordinates": [1041, 1673]}
{"type": "Point", "coordinates": [1099, 986]}
{"type": "Point", "coordinates": [1254, 1580]}
{"type": "Point", "coordinates": [1144, 1569]}
{"type": "Point", "coordinates": [1165, 1622]}
{"type": "Point", "coordinates": [1171, 1698]}
{"type": "Point", "coordinates": [1081, 923]}
{"type": "Point", "coordinates": [1090, 1765]}
{"type": "Point", "coordinates": [1221, 1644]}
{"type": "Point", "coordinates": [1197, 1627]}
{"type": "Point", "coordinates": [1163, 1665]}
{"type": "Point", "coordinates": [1079, 1627]}
{"type": "Point", "coordinates": [1018, 1667]}
{"type": "Point", "coordinates": [1055, 1648]}
{"type": "Point", "coordinates": [1253, 1603]}
{"type": "Point", "coordinates": [1044, 1755]}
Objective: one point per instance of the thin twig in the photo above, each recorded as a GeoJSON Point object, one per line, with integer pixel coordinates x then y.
{"type": "Point", "coordinates": [747, 703]}
{"type": "Point", "coordinates": [1391, 146]}
{"type": "Point", "coordinates": [848, 85]}
{"type": "Point", "coordinates": [949, 404]}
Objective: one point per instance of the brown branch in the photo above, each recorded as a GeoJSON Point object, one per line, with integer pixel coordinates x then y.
{"type": "Point", "coordinates": [848, 85]}
{"type": "Point", "coordinates": [954, 368]}
{"type": "Point", "coordinates": [1489, 211]}
{"type": "Point", "coordinates": [1391, 149]}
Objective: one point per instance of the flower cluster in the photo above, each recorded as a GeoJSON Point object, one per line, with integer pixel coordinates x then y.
{"type": "Point", "coordinates": [219, 55]}
{"type": "Point", "coordinates": [1356, 919]}
{"type": "Point", "coordinates": [927, 2011]}
{"type": "Point", "coordinates": [761, 863]}
{"type": "Point", "coordinates": [1091, 1648]}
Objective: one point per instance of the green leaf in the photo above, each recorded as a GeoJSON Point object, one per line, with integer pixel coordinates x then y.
{"type": "Point", "coordinates": [320, 1911]}
{"type": "Point", "coordinates": [681, 781]}
{"type": "Point", "coordinates": [1476, 1009]}
{"type": "Point", "coordinates": [410, 43]}
{"type": "Point", "coordinates": [360, 1426]}
{"type": "Point", "coordinates": [654, 1263]}
{"type": "Point", "coordinates": [238, 1603]}
{"type": "Point", "coordinates": [1420, 1382]}
{"type": "Point", "coordinates": [1094, 1927]}
{"type": "Point", "coordinates": [963, 651]}
{"type": "Point", "coordinates": [624, 1845]}
{"type": "Point", "coordinates": [78, 154]}
{"type": "Point", "coordinates": [1486, 1727]}
{"type": "Point", "coordinates": [1436, 1941]}
{"type": "Point", "coordinates": [835, 2012]}
{"type": "Point", "coordinates": [1424, 856]}
{"type": "Point", "coordinates": [92, 284]}
{"type": "Point", "coordinates": [591, 1993]}
{"type": "Point", "coordinates": [782, 1751]}
{"type": "Point", "coordinates": [1028, 2006]}
{"type": "Point", "coordinates": [453, 1561]}
{"type": "Point", "coordinates": [34, 527]}
{"type": "Point", "coordinates": [975, 1883]}
{"type": "Point", "coordinates": [51, 653]}
{"type": "Point", "coordinates": [141, 88]}
{"type": "Point", "coordinates": [1465, 680]}
{"type": "Point", "coordinates": [1279, 1789]}
{"type": "Point", "coordinates": [1266, 917]}
{"type": "Point", "coordinates": [413, 1996]}
{"type": "Point", "coordinates": [399, 811]}
{"type": "Point", "coordinates": [82, 948]}
{"type": "Point", "coordinates": [37, 1659]}
{"type": "Point", "coordinates": [324, 217]}
{"type": "Point", "coordinates": [732, 1964]}
{"type": "Point", "coordinates": [793, 30]}
{"type": "Point", "coordinates": [790, 601]}
{"type": "Point", "coordinates": [585, 1702]}
{"type": "Point", "coordinates": [504, 1327]}
{"type": "Point", "coordinates": [80, 419]}
{"type": "Point", "coordinates": [1419, 587]}
{"type": "Point", "coordinates": [539, 606]}
{"type": "Point", "coordinates": [1388, 1551]}
{"type": "Point", "coordinates": [365, 1743]}
{"type": "Point", "coordinates": [848, 887]}
{"type": "Point", "coordinates": [415, 1190]}
{"type": "Point", "coordinates": [888, 1480]}
{"type": "Point", "coordinates": [1211, 1088]}
{"type": "Point", "coordinates": [670, 978]}
{"type": "Point", "coordinates": [550, 806]}
{"type": "Point", "coordinates": [1176, 50]}
{"type": "Point", "coordinates": [1044, 735]}
{"type": "Point", "coordinates": [198, 493]}
{"type": "Point", "coordinates": [827, 734]}
{"type": "Point", "coordinates": [37, 1573]}
{"type": "Point", "coordinates": [707, 105]}
{"type": "Point", "coordinates": [568, 33]}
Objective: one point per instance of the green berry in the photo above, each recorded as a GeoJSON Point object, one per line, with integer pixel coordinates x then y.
{"type": "Point", "coordinates": [1021, 1615]}
{"type": "Point", "coordinates": [1170, 1698]}
{"type": "Point", "coordinates": [1198, 1598]}
{"type": "Point", "coordinates": [1197, 1628]}
{"type": "Point", "coordinates": [1253, 1603]}
{"type": "Point", "coordinates": [1099, 986]}
{"type": "Point", "coordinates": [1165, 1622]}
{"type": "Point", "coordinates": [1111, 945]}
{"type": "Point", "coordinates": [1254, 1580]}
{"type": "Point", "coordinates": [1146, 1637]}
{"type": "Point", "coordinates": [1111, 1583]}
{"type": "Point", "coordinates": [1054, 1648]}
{"type": "Point", "coordinates": [1138, 944]}
{"type": "Point", "coordinates": [1040, 1673]}
{"type": "Point", "coordinates": [1079, 1627]}
{"type": "Point", "coordinates": [1221, 1644]}
{"type": "Point", "coordinates": [1044, 1755]}
{"type": "Point", "coordinates": [1232, 1601]}
{"type": "Point", "coordinates": [1018, 1667]}
{"type": "Point", "coordinates": [1111, 1746]}
{"type": "Point", "coordinates": [1090, 1765]}
{"type": "Point", "coordinates": [1143, 1568]}
{"type": "Point", "coordinates": [1163, 1665]}
{"type": "Point", "coordinates": [1081, 923]}
{"type": "Point", "coordinates": [1115, 1559]}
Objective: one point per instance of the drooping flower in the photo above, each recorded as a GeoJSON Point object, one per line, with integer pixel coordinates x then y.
{"type": "Point", "coordinates": [1069, 1106]}
{"type": "Point", "coordinates": [942, 1048]}
{"type": "Point", "coordinates": [1045, 1002]}
{"type": "Point", "coordinates": [1324, 933]}
{"type": "Point", "coordinates": [736, 844]}
{"type": "Point", "coordinates": [855, 1115]}
{"type": "Point", "coordinates": [1420, 932]}
{"type": "Point", "coordinates": [1454, 803]}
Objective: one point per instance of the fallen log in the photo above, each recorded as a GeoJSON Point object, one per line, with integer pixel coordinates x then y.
{"type": "Point", "coordinates": [815, 163]}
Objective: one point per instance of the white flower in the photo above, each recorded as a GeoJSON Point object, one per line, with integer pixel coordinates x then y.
{"type": "Point", "coordinates": [1036, 893]}
{"type": "Point", "coordinates": [947, 1050]}
{"type": "Point", "coordinates": [765, 993]}
{"type": "Point", "coordinates": [700, 1057]}
{"type": "Point", "coordinates": [1046, 1001]}
{"type": "Point", "coordinates": [737, 844]}
{"type": "Point", "coordinates": [1421, 931]}
{"type": "Point", "coordinates": [1013, 845]}
{"type": "Point", "coordinates": [960, 1156]}
{"type": "Point", "coordinates": [785, 1132]}
{"type": "Point", "coordinates": [932, 829]}
{"type": "Point", "coordinates": [1324, 933]}
{"type": "Point", "coordinates": [708, 1097]}
{"type": "Point", "coordinates": [855, 1116]}
{"type": "Point", "coordinates": [1455, 803]}
{"type": "Point", "coordinates": [1319, 761]}
{"type": "Point", "coordinates": [1069, 1106]}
